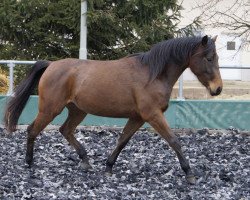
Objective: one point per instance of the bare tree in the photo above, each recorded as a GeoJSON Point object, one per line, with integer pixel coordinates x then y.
{"type": "Point", "coordinates": [233, 16]}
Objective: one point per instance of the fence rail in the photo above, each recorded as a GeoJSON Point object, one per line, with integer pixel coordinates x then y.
{"type": "Point", "coordinates": [12, 63]}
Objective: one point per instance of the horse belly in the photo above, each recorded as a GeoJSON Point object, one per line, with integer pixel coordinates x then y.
{"type": "Point", "coordinates": [106, 89]}
{"type": "Point", "coordinates": [106, 103]}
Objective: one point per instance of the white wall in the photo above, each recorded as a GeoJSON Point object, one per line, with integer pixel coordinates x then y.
{"type": "Point", "coordinates": [226, 57]}
{"type": "Point", "coordinates": [229, 57]}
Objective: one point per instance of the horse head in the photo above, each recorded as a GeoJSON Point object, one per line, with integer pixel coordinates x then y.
{"type": "Point", "coordinates": [204, 64]}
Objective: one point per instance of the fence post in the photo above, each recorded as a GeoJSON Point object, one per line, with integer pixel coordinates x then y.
{"type": "Point", "coordinates": [83, 31]}
{"type": "Point", "coordinates": [180, 91]}
{"type": "Point", "coordinates": [11, 78]}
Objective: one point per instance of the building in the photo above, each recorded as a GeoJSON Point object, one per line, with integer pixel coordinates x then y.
{"type": "Point", "coordinates": [228, 44]}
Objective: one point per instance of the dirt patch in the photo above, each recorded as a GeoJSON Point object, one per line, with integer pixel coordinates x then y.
{"type": "Point", "coordinates": [146, 169]}
{"type": "Point", "coordinates": [232, 90]}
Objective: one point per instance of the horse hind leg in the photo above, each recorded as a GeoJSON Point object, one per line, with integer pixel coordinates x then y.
{"type": "Point", "coordinates": [75, 116]}
{"type": "Point", "coordinates": [41, 121]}
{"type": "Point", "coordinates": [48, 110]}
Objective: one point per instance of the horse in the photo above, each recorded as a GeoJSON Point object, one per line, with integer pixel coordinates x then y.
{"type": "Point", "coordinates": [137, 87]}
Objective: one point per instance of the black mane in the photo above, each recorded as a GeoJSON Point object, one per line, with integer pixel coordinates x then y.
{"type": "Point", "coordinates": [174, 51]}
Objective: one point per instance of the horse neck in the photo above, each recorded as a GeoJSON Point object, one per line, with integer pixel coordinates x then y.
{"type": "Point", "coordinates": [172, 74]}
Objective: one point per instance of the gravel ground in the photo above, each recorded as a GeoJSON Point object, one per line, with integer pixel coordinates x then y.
{"type": "Point", "coordinates": [146, 169]}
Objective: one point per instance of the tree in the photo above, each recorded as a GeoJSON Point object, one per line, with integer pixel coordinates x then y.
{"type": "Point", "coordinates": [233, 16]}
{"type": "Point", "coordinates": [33, 30]}
{"type": "Point", "coordinates": [118, 28]}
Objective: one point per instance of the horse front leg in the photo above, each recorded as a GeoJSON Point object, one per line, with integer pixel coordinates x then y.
{"type": "Point", "coordinates": [159, 123]}
{"type": "Point", "coordinates": [131, 127]}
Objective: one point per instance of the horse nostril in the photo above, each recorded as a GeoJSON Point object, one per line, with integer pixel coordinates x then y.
{"type": "Point", "coordinates": [218, 91]}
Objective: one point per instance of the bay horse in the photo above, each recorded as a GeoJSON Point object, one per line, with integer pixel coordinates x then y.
{"type": "Point", "coordinates": [136, 87]}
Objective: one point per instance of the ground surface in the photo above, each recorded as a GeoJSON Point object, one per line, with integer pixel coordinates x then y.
{"type": "Point", "coordinates": [232, 90]}
{"type": "Point", "coordinates": [146, 169]}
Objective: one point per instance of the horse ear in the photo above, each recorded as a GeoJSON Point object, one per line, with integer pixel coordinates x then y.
{"type": "Point", "coordinates": [214, 38]}
{"type": "Point", "coordinates": [204, 40]}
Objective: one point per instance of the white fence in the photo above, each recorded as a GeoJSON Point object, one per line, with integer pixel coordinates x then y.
{"type": "Point", "coordinates": [11, 64]}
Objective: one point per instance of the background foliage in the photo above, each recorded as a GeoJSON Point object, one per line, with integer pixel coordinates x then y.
{"type": "Point", "coordinates": [33, 30]}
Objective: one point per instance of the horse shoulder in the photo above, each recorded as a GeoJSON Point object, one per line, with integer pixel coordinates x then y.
{"type": "Point", "coordinates": [151, 100]}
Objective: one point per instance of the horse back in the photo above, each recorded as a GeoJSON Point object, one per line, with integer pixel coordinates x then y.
{"type": "Point", "coordinates": [105, 88]}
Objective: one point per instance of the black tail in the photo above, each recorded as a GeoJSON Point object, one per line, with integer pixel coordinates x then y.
{"type": "Point", "coordinates": [22, 93]}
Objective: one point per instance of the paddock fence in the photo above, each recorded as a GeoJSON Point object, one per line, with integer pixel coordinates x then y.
{"type": "Point", "coordinates": [215, 114]}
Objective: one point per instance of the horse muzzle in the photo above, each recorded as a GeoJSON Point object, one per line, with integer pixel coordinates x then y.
{"type": "Point", "coordinates": [215, 87]}
{"type": "Point", "coordinates": [216, 91]}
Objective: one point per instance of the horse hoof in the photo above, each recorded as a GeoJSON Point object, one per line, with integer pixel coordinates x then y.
{"type": "Point", "coordinates": [108, 174]}
{"type": "Point", "coordinates": [191, 179]}
{"type": "Point", "coordinates": [86, 166]}
{"type": "Point", "coordinates": [29, 166]}
{"type": "Point", "coordinates": [29, 162]}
